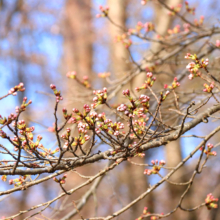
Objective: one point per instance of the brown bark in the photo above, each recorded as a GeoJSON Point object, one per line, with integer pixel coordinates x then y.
{"type": "Point", "coordinates": [119, 55]}
{"type": "Point", "coordinates": [173, 149]}
{"type": "Point", "coordinates": [135, 181]}
{"type": "Point", "coordinates": [78, 44]}
{"type": "Point", "coordinates": [77, 33]}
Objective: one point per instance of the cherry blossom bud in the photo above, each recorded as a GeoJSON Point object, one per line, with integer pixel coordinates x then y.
{"type": "Point", "coordinates": [149, 74]}
{"type": "Point", "coordinates": [217, 43]}
{"type": "Point", "coordinates": [52, 86]}
{"type": "Point", "coordinates": [147, 171]}
{"type": "Point", "coordinates": [75, 110]}
{"type": "Point", "coordinates": [95, 99]}
{"type": "Point", "coordinates": [162, 162]}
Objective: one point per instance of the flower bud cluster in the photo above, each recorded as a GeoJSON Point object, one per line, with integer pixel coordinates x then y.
{"type": "Point", "coordinates": [148, 83]}
{"type": "Point", "coordinates": [104, 75]}
{"type": "Point", "coordinates": [200, 22]}
{"type": "Point", "coordinates": [47, 152]}
{"type": "Point", "coordinates": [163, 96]}
{"type": "Point", "coordinates": [108, 126]}
{"type": "Point", "coordinates": [138, 27]}
{"type": "Point", "coordinates": [4, 178]}
{"type": "Point", "coordinates": [71, 75]}
{"type": "Point", "coordinates": [3, 120]}
{"type": "Point", "coordinates": [174, 85]}
{"type": "Point", "coordinates": [145, 213]}
{"type": "Point", "coordinates": [23, 105]}
{"type": "Point", "coordinates": [211, 202]}
{"type": "Point", "coordinates": [65, 115]}
{"type": "Point", "coordinates": [208, 88]}
{"type": "Point", "coordinates": [67, 135]}
{"type": "Point", "coordinates": [156, 167]}
{"type": "Point", "coordinates": [150, 68]}
{"type": "Point", "coordinates": [194, 67]}
{"type": "Point", "coordinates": [209, 151]}
{"type": "Point", "coordinates": [83, 126]}
{"type": "Point", "coordinates": [56, 93]}
{"type": "Point", "coordinates": [3, 134]}
{"type": "Point", "coordinates": [186, 27]}
{"type": "Point", "coordinates": [139, 125]}
{"type": "Point", "coordinates": [100, 98]}
{"type": "Point", "coordinates": [61, 180]}
{"type": "Point", "coordinates": [26, 140]}
{"type": "Point", "coordinates": [137, 107]}
{"type": "Point", "coordinates": [104, 11]}
{"type": "Point", "coordinates": [85, 122]}
{"type": "Point", "coordinates": [147, 27]}
{"type": "Point", "coordinates": [204, 63]}
{"type": "Point", "coordinates": [10, 119]}
{"type": "Point", "coordinates": [85, 82]}
{"type": "Point", "coordinates": [188, 9]}
{"type": "Point", "coordinates": [144, 100]}
{"type": "Point", "coordinates": [18, 181]}
{"type": "Point", "coordinates": [124, 39]}
{"type": "Point", "coordinates": [19, 87]}
{"type": "Point", "coordinates": [190, 56]}
{"type": "Point", "coordinates": [175, 30]}
{"type": "Point", "coordinates": [175, 9]}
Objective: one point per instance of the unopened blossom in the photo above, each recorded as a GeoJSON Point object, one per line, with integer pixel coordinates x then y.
{"type": "Point", "coordinates": [122, 108]}
{"type": "Point", "coordinates": [217, 43]}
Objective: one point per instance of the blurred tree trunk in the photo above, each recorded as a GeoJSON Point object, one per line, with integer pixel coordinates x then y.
{"type": "Point", "coordinates": [173, 154]}
{"type": "Point", "coordinates": [78, 41]}
{"type": "Point", "coordinates": [119, 55]}
{"type": "Point", "coordinates": [173, 149]}
{"type": "Point", "coordinates": [135, 181]}
{"type": "Point", "coordinates": [77, 31]}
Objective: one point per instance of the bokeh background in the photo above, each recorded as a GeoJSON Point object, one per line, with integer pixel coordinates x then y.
{"type": "Point", "coordinates": [40, 41]}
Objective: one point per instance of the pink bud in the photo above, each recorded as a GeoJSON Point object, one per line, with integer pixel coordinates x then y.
{"type": "Point", "coordinates": [52, 86]}
{"type": "Point", "coordinates": [95, 99]}
{"type": "Point", "coordinates": [75, 110]}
